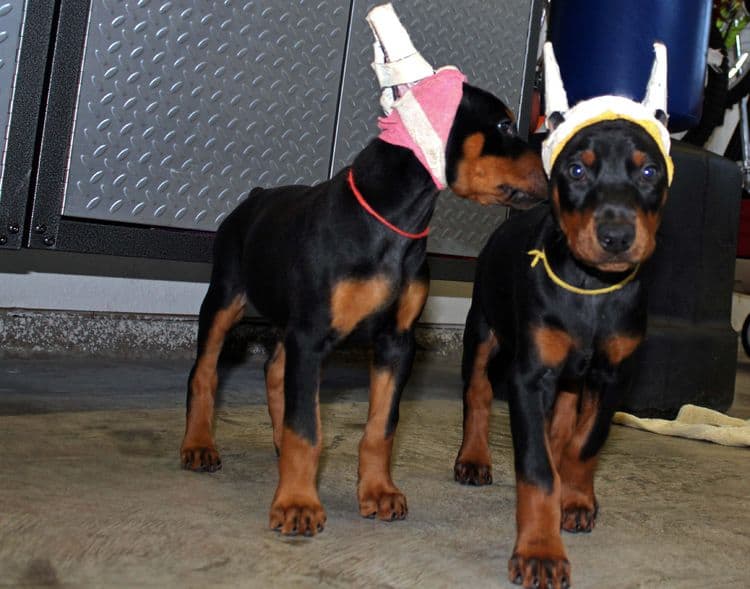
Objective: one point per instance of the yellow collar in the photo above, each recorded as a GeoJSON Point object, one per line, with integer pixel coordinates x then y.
{"type": "Point", "coordinates": [540, 255]}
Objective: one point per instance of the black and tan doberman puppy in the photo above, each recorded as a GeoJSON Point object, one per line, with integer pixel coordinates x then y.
{"type": "Point", "coordinates": [558, 309]}
{"type": "Point", "coordinates": [316, 263]}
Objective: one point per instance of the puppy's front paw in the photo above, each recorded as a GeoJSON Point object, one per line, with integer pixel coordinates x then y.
{"type": "Point", "coordinates": [200, 458]}
{"type": "Point", "coordinates": [578, 512]}
{"type": "Point", "coordinates": [539, 571]}
{"type": "Point", "coordinates": [387, 505]}
{"type": "Point", "coordinates": [472, 473]}
{"type": "Point", "coordinates": [297, 516]}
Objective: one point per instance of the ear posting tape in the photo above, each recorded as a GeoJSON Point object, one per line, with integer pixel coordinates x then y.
{"type": "Point", "coordinates": [605, 108]}
{"type": "Point", "coordinates": [420, 103]}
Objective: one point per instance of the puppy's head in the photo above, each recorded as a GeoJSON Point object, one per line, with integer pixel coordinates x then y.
{"type": "Point", "coordinates": [607, 187]}
{"type": "Point", "coordinates": [486, 160]}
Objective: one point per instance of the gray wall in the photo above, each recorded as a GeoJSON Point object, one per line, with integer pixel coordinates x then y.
{"type": "Point", "coordinates": [59, 281]}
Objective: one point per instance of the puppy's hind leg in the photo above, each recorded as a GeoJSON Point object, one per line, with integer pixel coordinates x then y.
{"type": "Point", "coordinates": [296, 507]}
{"type": "Point", "coordinates": [223, 306]}
{"type": "Point", "coordinates": [274, 373]}
{"type": "Point", "coordinates": [474, 465]}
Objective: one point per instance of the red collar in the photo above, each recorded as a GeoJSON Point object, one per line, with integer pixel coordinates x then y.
{"type": "Point", "coordinates": [374, 213]}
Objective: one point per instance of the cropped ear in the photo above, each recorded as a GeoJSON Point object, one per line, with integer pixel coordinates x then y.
{"type": "Point", "coordinates": [661, 116]}
{"type": "Point", "coordinates": [656, 89]}
{"type": "Point", "coordinates": [554, 120]}
{"type": "Point", "coordinates": [397, 63]}
{"type": "Point", "coordinates": [555, 97]}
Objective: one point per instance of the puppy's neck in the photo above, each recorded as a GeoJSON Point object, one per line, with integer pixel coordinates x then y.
{"type": "Point", "coordinates": [575, 271]}
{"type": "Point", "coordinates": [395, 184]}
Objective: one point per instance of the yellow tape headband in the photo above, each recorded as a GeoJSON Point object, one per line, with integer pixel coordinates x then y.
{"type": "Point", "coordinates": [653, 128]}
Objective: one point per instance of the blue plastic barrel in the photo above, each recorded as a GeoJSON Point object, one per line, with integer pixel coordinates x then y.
{"type": "Point", "coordinates": [605, 47]}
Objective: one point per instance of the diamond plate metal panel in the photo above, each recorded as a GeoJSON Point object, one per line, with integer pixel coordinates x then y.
{"type": "Point", "coordinates": [11, 19]}
{"type": "Point", "coordinates": [487, 41]}
{"type": "Point", "coordinates": [185, 105]}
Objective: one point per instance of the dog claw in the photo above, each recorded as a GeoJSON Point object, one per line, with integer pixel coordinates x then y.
{"type": "Point", "coordinates": [578, 519]}
{"type": "Point", "coordinates": [474, 474]}
{"type": "Point", "coordinates": [304, 519]}
{"type": "Point", "coordinates": [201, 459]}
{"type": "Point", "coordinates": [539, 573]}
{"type": "Point", "coordinates": [387, 506]}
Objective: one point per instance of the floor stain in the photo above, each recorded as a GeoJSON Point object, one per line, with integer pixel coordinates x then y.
{"type": "Point", "coordinates": [39, 573]}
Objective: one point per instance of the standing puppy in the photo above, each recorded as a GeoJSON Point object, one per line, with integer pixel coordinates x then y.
{"type": "Point", "coordinates": [558, 310]}
{"type": "Point", "coordinates": [349, 254]}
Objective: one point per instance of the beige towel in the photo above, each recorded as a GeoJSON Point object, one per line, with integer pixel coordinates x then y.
{"type": "Point", "coordinates": [694, 422]}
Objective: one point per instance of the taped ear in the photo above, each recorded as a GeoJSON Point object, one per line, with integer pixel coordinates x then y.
{"type": "Point", "coordinates": [554, 120]}
{"type": "Point", "coordinates": [656, 89]}
{"type": "Point", "coordinates": [397, 63]}
{"type": "Point", "coordinates": [555, 97]}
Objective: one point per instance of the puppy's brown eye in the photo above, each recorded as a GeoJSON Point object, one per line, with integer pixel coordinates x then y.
{"type": "Point", "coordinates": [506, 127]}
{"type": "Point", "coordinates": [648, 172]}
{"type": "Point", "coordinates": [576, 171]}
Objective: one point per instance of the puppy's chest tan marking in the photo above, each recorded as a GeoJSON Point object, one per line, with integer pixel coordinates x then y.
{"type": "Point", "coordinates": [553, 345]}
{"type": "Point", "coordinates": [618, 347]}
{"type": "Point", "coordinates": [354, 299]}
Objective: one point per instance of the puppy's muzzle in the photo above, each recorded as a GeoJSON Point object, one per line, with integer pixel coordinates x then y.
{"type": "Point", "coordinates": [615, 237]}
{"type": "Point", "coordinates": [615, 224]}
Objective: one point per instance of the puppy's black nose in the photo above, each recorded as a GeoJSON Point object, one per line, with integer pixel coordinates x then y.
{"type": "Point", "coordinates": [615, 238]}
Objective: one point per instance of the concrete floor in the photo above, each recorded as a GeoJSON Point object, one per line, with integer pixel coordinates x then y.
{"type": "Point", "coordinates": [91, 494]}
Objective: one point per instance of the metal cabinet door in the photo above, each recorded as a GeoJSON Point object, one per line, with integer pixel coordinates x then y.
{"type": "Point", "coordinates": [24, 39]}
{"type": "Point", "coordinates": [183, 106]}
{"type": "Point", "coordinates": [164, 113]}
